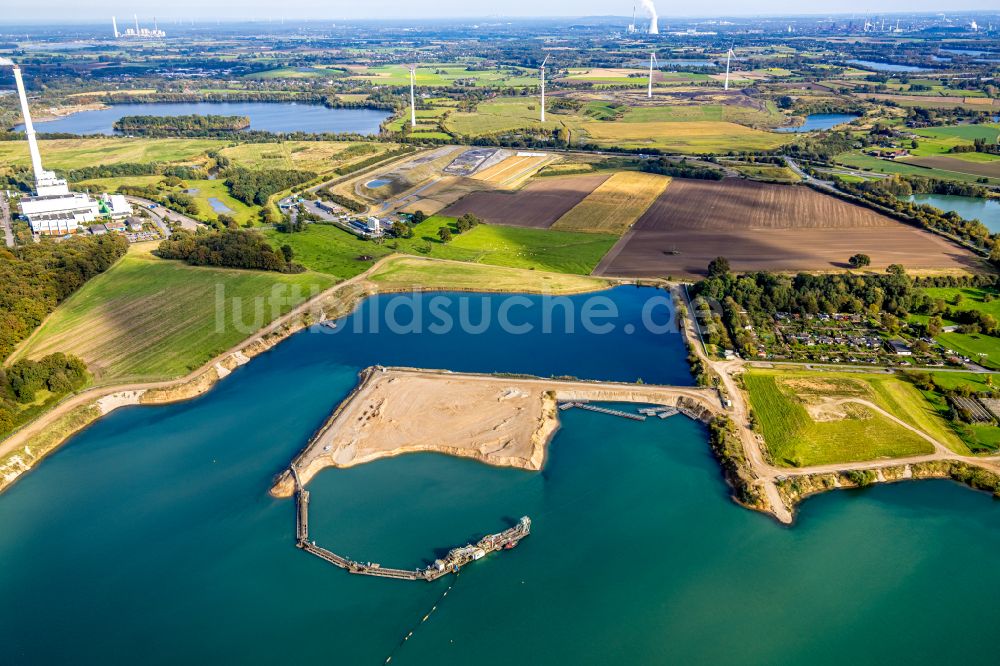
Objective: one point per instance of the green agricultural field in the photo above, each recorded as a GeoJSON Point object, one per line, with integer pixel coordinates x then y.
{"type": "Point", "coordinates": [407, 273]}
{"type": "Point", "coordinates": [445, 74]}
{"type": "Point", "coordinates": [317, 156]}
{"type": "Point", "coordinates": [79, 153]}
{"type": "Point", "coordinates": [500, 115]}
{"type": "Point", "coordinates": [857, 160]}
{"type": "Point", "coordinates": [966, 133]}
{"type": "Point", "coordinates": [112, 184]}
{"type": "Point", "coordinates": [730, 113]}
{"type": "Point", "coordinates": [328, 249]}
{"type": "Point", "coordinates": [812, 418]}
{"type": "Point", "coordinates": [982, 300]}
{"type": "Point", "coordinates": [298, 73]}
{"type": "Point", "coordinates": [147, 318]}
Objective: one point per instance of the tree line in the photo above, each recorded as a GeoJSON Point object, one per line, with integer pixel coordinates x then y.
{"type": "Point", "coordinates": [254, 187]}
{"type": "Point", "coordinates": [231, 248]}
{"type": "Point", "coordinates": [35, 278]}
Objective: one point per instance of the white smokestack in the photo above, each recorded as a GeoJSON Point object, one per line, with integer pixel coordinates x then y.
{"type": "Point", "coordinates": [114, 24]}
{"type": "Point", "coordinates": [29, 129]}
{"type": "Point", "coordinates": [650, 9]}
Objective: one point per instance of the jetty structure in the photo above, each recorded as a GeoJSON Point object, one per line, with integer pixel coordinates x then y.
{"type": "Point", "coordinates": [450, 563]}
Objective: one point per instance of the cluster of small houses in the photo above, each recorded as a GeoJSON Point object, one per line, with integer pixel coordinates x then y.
{"type": "Point", "coordinates": [864, 341]}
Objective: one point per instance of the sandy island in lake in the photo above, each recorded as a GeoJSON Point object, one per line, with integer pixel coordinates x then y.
{"type": "Point", "coordinates": [503, 421]}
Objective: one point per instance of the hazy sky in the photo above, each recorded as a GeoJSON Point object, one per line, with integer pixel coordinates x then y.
{"type": "Point", "coordinates": [91, 10]}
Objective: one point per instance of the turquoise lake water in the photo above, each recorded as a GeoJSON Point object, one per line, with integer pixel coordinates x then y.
{"type": "Point", "coordinates": [267, 116]}
{"type": "Point", "coordinates": [986, 211]}
{"type": "Point", "coordinates": [150, 537]}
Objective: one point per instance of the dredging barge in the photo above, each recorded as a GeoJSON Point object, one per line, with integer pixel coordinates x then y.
{"type": "Point", "coordinates": [450, 563]}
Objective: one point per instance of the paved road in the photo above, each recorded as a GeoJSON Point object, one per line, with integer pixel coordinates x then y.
{"type": "Point", "coordinates": [159, 212]}
{"type": "Point", "coordinates": [8, 231]}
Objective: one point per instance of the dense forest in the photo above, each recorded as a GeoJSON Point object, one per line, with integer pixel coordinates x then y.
{"type": "Point", "coordinates": [172, 125]}
{"type": "Point", "coordinates": [232, 248]}
{"type": "Point", "coordinates": [255, 186]}
{"type": "Point", "coordinates": [37, 277]}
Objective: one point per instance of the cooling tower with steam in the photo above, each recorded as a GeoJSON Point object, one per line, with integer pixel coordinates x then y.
{"type": "Point", "coordinates": [650, 9]}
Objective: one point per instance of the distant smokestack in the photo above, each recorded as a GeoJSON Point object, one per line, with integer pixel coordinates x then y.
{"type": "Point", "coordinates": [114, 24]}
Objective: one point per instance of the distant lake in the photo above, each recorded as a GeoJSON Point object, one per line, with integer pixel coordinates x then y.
{"type": "Point", "coordinates": [965, 52]}
{"type": "Point", "coordinates": [820, 121]}
{"type": "Point", "coordinates": [986, 211]}
{"type": "Point", "coordinates": [887, 66]}
{"type": "Point", "coordinates": [267, 116]}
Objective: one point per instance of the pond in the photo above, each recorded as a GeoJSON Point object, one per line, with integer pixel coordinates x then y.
{"type": "Point", "coordinates": [378, 182]}
{"type": "Point", "coordinates": [986, 211]}
{"type": "Point", "coordinates": [266, 116]}
{"type": "Point", "coordinates": [218, 206]}
{"type": "Point", "coordinates": [820, 121]}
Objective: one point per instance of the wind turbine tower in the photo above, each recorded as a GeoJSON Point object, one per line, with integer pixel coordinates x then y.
{"type": "Point", "coordinates": [413, 96]}
{"type": "Point", "coordinates": [652, 61]}
{"type": "Point", "coordinates": [729, 56]}
{"type": "Point", "coordinates": [542, 72]}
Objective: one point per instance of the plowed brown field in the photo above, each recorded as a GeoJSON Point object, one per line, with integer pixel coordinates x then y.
{"type": "Point", "coordinates": [769, 227]}
{"type": "Point", "coordinates": [538, 205]}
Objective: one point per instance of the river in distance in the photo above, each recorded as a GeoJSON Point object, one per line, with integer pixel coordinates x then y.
{"type": "Point", "coordinates": [150, 536]}
{"type": "Point", "coordinates": [277, 117]}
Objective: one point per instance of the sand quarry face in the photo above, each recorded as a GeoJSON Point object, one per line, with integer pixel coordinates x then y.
{"type": "Point", "coordinates": [494, 420]}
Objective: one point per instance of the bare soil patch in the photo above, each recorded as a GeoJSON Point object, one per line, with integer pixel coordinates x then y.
{"type": "Point", "coordinates": [769, 227]}
{"type": "Point", "coordinates": [538, 205]}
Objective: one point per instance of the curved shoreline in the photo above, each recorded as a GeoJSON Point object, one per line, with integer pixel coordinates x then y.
{"type": "Point", "coordinates": [36, 440]}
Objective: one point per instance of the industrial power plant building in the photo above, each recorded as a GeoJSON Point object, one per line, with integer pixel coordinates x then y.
{"type": "Point", "coordinates": [54, 210]}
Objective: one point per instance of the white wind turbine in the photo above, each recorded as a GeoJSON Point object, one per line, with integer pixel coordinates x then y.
{"type": "Point", "coordinates": [729, 56]}
{"type": "Point", "coordinates": [413, 96]}
{"type": "Point", "coordinates": [542, 73]}
{"type": "Point", "coordinates": [652, 61]}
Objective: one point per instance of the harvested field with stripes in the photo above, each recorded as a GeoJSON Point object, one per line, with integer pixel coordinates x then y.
{"type": "Point", "coordinates": [616, 204]}
{"type": "Point", "coordinates": [512, 171]}
{"type": "Point", "coordinates": [538, 205]}
{"type": "Point", "coordinates": [760, 226]}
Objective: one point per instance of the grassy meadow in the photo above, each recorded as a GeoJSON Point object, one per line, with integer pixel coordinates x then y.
{"type": "Point", "coordinates": [333, 251]}
{"type": "Point", "coordinates": [804, 423]}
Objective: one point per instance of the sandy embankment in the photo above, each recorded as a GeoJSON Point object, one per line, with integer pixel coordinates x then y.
{"type": "Point", "coordinates": [500, 421]}
{"type": "Point", "coordinates": [56, 112]}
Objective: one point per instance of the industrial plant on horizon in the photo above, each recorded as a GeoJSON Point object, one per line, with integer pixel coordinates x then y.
{"type": "Point", "coordinates": [137, 32]}
{"type": "Point", "coordinates": [54, 210]}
